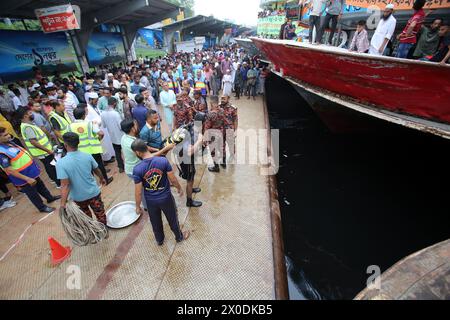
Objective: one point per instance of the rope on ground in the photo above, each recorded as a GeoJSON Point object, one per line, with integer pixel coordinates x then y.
{"type": "Point", "coordinates": [80, 228]}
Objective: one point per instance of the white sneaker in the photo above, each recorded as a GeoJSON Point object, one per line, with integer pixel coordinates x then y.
{"type": "Point", "coordinates": [8, 204]}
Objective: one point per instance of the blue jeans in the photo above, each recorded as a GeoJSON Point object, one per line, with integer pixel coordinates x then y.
{"type": "Point", "coordinates": [403, 50]}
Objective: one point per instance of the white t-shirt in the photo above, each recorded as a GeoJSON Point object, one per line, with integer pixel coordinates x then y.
{"type": "Point", "coordinates": [316, 7]}
{"type": "Point", "coordinates": [385, 30]}
{"type": "Point", "coordinates": [17, 102]}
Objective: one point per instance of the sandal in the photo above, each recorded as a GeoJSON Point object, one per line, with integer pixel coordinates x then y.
{"type": "Point", "coordinates": [186, 235]}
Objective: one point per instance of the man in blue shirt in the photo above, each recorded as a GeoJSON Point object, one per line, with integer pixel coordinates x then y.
{"type": "Point", "coordinates": [151, 133]}
{"type": "Point", "coordinates": [139, 113]}
{"type": "Point", "coordinates": [77, 181]}
{"type": "Point", "coordinates": [136, 85]}
{"type": "Point", "coordinates": [155, 175]}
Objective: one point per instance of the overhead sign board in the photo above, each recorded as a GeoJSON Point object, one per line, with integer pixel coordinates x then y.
{"type": "Point", "coordinates": [58, 18]}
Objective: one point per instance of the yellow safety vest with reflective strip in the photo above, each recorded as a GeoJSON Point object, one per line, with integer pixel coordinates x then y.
{"type": "Point", "coordinates": [89, 142]}
{"type": "Point", "coordinates": [201, 86]}
{"type": "Point", "coordinates": [64, 124]}
{"type": "Point", "coordinates": [41, 138]}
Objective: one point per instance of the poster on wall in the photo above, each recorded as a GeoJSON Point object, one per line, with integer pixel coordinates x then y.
{"type": "Point", "coordinates": [153, 38]}
{"type": "Point", "coordinates": [24, 52]}
{"type": "Point", "coordinates": [270, 26]}
{"type": "Point", "coordinates": [105, 48]}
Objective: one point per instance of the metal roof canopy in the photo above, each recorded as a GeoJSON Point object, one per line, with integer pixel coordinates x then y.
{"type": "Point", "coordinates": [130, 14]}
{"type": "Point", "coordinates": [200, 25]}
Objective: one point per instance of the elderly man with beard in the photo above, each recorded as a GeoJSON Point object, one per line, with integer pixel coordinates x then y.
{"type": "Point", "coordinates": [384, 31]}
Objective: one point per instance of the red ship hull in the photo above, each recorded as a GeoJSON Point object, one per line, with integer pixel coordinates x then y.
{"type": "Point", "coordinates": [417, 88]}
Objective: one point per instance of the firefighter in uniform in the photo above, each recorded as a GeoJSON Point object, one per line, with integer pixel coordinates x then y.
{"type": "Point", "coordinates": [90, 136]}
{"type": "Point", "coordinates": [231, 125]}
{"type": "Point", "coordinates": [24, 173]}
{"type": "Point", "coordinates": [60, 120]}
{"type": "Point", "coordinates": [216, 121]}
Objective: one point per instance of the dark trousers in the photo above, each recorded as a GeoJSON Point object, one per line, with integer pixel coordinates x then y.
{"type": "Point", "coordinates": [314, 21]}
{"type": "Point", "coordinates": [168, 207]}
{"type": "Point", "coordinates": [4, 184]}
{"type": "Point", "coordinates": [238, 90]}
{"type": "Point", "coordinates": [251, 90]}
{"type": "Point", "coordinates": [35, 192]}
{"type": "Point", "coordinates": [326, 23]}
{"type": "Point", "coordinates": [51, 170]}
{"type": "Point", "coordinates": [98, 158]}
{"type": "Point", "coordinates": [118, 151]}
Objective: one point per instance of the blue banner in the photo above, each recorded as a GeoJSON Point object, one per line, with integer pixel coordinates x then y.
{"type": "Point", "coordinates": [23, 52]}
{"type": "Point", "coordinates": [105, 48]}
{"type": "Point", "coordinates": [153, 38]}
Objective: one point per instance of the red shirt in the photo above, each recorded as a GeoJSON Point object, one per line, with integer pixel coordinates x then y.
{"type": "Point", "coordinates": [418, 17]}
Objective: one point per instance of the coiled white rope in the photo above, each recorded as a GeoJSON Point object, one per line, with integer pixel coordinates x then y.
{"type": "Point", "coordinates": [80, 228]}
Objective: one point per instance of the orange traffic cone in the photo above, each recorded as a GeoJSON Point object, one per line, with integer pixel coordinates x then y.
{"type": "Point", "coordinates": [59, 253]}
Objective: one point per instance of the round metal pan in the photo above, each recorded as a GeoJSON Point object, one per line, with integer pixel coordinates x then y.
{"type": "Point", "coordinates": [122, 215]}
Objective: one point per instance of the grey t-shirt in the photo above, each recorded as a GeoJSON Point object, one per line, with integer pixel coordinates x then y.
{"type": "Point", "coordinates": [40, 121]}
{"type": "Point", "coordinates": [31, 134]}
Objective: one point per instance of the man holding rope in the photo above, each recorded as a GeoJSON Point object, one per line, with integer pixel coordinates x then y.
{"type": "Point", "coordinates": [75, 173]}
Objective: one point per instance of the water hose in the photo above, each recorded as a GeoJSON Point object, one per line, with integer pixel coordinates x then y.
{"type": "Point", "coordinates": [80, 228]}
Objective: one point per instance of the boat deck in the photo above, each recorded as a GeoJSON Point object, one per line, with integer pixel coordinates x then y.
{"type": "Point", "coordinates": [424, 125]}
{"type": "Point", "coordinates": [424, 275]}
{"type": "Point", "coordinates": [228, 256]}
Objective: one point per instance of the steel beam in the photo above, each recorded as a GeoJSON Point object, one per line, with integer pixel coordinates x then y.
{"type": "Point", "coordinates": [7, 6]}
{"type": "Point", "coordinates": [115, 12]}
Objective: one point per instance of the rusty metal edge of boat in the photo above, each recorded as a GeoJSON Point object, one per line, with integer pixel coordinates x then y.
{"type": "Point", "coordinates": [279, 261]}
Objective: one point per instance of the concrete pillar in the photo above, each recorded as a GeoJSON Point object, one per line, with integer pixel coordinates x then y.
{"type": "Point", "coordinates": [129, 48]}
{"type": "Point", "coordinates": [169, 35]}
{"type": "Point", "coordinates": [80, 53]}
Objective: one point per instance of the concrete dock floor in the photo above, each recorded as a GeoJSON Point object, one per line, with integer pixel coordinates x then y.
{"type": "Point", "coordinates": [228, 256]}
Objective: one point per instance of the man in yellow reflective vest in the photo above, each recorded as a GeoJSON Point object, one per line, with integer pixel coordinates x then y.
{"type": "Point", "coordinates": [24, 173]}
{"type": "Point", "coordinates": [90, 136]}
{"type": "Point", "coordinates": [37, 143]}
{"type": "Point", "coordinates": [59, 120]}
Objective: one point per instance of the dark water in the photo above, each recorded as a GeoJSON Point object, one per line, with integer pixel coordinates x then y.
{"type": "Point", "coordinates": [355, 200]}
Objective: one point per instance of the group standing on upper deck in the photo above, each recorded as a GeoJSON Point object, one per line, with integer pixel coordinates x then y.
{"type": "Point", "coordinates": [415, 41]}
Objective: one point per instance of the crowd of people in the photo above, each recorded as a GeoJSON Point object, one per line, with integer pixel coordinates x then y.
{"type": "Point", "coordinates": [77, 126]}
{"type": "Point", "coordinates": [415, 41]}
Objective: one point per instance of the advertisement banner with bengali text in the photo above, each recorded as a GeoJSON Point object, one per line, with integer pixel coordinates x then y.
{"type": "Point", "coordinates": [23, 51]}
{"type": "Point", "coordinates": [105, 48]}
{"type": "Point", "coordinates": [270, 26]}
